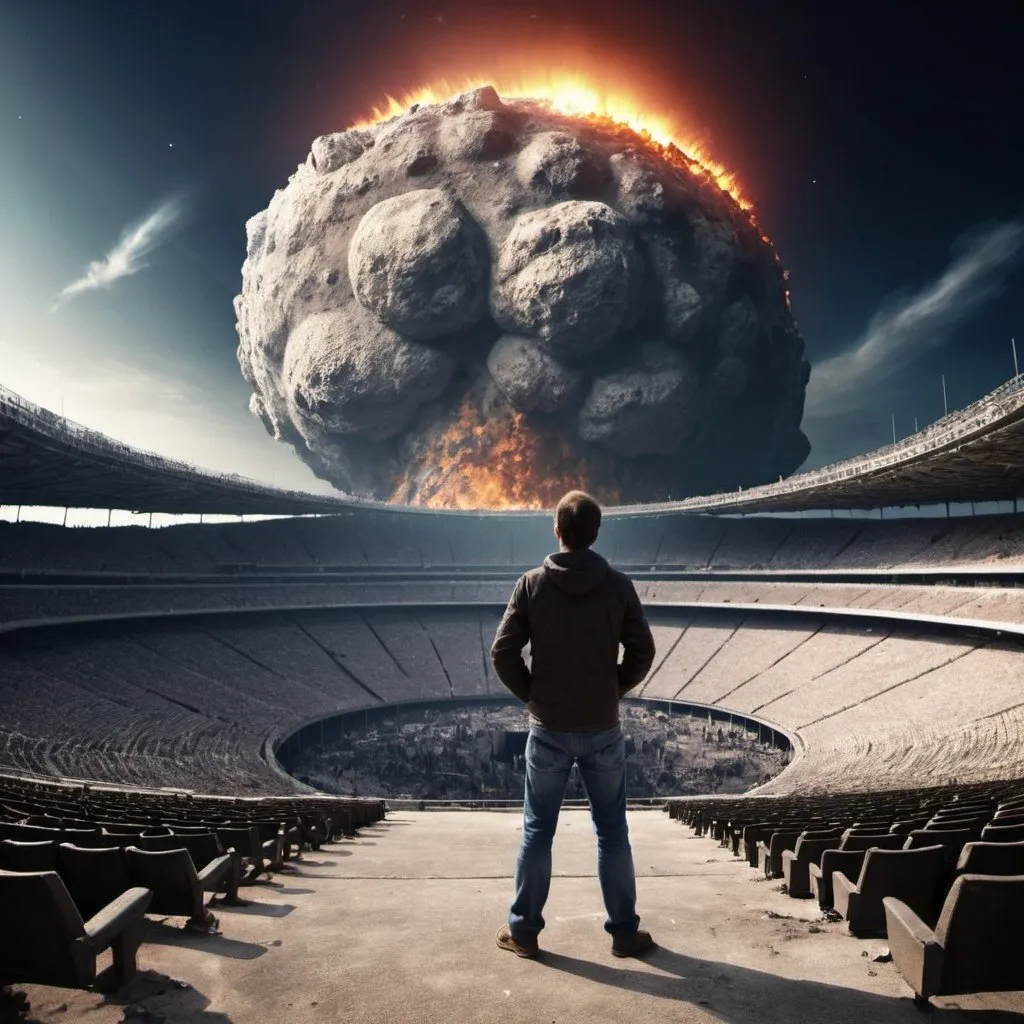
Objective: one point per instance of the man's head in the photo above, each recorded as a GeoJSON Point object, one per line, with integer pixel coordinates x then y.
{"type": "Point", "coordinates": [577, 520]}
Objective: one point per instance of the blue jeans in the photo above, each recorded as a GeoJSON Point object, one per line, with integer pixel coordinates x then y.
{"type": "Point", "coordinates": [601, 757]}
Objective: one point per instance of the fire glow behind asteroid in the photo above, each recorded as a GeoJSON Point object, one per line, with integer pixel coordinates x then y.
{"type": "Point", "coordinates": [479, 303]}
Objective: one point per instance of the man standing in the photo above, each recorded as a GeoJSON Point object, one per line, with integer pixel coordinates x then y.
{"type": "Point", "coordinates": [574, 611]}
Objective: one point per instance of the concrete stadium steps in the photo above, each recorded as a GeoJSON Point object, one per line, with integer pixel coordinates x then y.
{"type": "Point", "coordinates": [943, 723]}
{"type": "Point", "coordinates": [818, 649]}
{"type": "Point", "coordinates": [873, 710]}
{"type": "Point", "coordinates": [891, 663]}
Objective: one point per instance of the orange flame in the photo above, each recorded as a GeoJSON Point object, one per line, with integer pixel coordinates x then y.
{"type": "Point", "coordinates": [576, 96]}
{"type": "Point", "coordinates": [476, 463]}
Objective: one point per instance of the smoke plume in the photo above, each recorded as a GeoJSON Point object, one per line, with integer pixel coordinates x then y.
{"type": "Point", "coordinates": [129, 255]}
{"type": "Point", "coordinates": [905, 328]}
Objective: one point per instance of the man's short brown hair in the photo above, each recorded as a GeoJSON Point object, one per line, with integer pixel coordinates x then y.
{"type": "Point", "coordinates": [577, 519]}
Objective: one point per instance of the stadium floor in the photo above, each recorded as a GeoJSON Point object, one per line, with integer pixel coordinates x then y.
{"type": "Point", "coordinates": [396, 926]}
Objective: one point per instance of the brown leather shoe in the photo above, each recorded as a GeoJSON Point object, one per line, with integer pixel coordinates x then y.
{"type": "Point", "coordinates": [505, 940]}
{"type": "Point", "coordinates": [633, 945]}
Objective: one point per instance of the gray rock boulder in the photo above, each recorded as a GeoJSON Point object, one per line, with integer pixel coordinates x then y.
{"type": "Point", "coordinates": [568, 276]}
{"type": "Point", "coordinates": [647, 409]}
{"type": "Point", "coordinates": [356, 377]}
{"type": "Point", "coordinates": [729, 378]}
{"type": "Point", "coordinates": [532, 379]}
{"type": "Point", "coordinates": [481, 272]}
{"type": "Point", "coordinates": [329, 152]}
{"type": "Point", "coordinates": [740, 329]}
{"type": "Point", "coordinates": [420, 264]}
{"type": "Point", "coordinates": [559, 165]}
{"type": "Point", "coordinates": [715, 244]}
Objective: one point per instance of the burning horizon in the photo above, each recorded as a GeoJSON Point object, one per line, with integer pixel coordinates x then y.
{"type": "Point", "coordinates": [576, 95]}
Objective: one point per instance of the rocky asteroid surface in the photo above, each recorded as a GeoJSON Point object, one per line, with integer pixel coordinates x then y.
{"type": "Point", "coordinates": [419, 283]}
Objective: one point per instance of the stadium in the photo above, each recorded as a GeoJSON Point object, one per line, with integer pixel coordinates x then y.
{"type": "Point", "coordinates": [156, 680]}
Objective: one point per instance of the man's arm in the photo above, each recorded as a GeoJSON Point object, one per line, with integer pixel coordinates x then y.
{"type": "Point", "coordinates": [637, 641]}
{"type": "Point", "coordinates": [507, 650]}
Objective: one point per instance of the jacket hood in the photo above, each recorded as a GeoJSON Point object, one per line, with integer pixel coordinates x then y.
{"type": "Point", "coordinates": [576, 572]}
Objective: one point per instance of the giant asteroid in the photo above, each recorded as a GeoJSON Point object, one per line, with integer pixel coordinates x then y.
{"type": "Point", "coordinates": [482, 302]}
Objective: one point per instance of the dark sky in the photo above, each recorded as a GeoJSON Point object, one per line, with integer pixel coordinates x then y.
{"type": "Point", "coordinates": [872, 137]}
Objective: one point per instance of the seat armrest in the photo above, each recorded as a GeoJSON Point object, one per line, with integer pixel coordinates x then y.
{"type": "Point", "coordinates": [915, 949]}
{"type": "Point", "coordinates": [788, 855]}
{"type": "Point", "coordinates": [103, 926]}
{"type": "Point", "coordinates": [214, 871]}
{"type": "Point", "coordinates": [844, 894]}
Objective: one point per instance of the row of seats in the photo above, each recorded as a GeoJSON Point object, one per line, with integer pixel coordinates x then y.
{"type": "Point", "coordinates": [80, 867]}
{"type": "Point", "coordinates": [940, 871]}
{"type": "Point", "coordinates": [21, 603]}
{"type": "Point", "coordinates": [382, 538]}
{"type": "Point", "coordinates": [196, 704]}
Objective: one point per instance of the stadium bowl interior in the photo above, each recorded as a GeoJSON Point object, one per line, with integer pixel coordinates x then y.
{"type": "Point", "coordinates": [887, 650]}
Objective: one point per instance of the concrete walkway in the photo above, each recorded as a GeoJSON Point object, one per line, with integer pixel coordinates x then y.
{"type": "Point", "coordinates": [397, 926]}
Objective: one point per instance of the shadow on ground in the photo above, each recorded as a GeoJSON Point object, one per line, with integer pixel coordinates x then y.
{"type": "Point", "coordinates": [257, 909]}
{"type": "Point", "coordinates": [160, 934]}
{"type": "Point", "coordinates": [739, 995]}
{"type": "Point", "coordinates": [153, 998]}
{"type": "Point", "coordinates": [149, 997]}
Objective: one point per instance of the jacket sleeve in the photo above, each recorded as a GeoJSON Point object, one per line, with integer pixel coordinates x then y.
{"type": "Point", "coordinates": [637, 642]}
{"type": "Point", "coordinates": [512, 636]}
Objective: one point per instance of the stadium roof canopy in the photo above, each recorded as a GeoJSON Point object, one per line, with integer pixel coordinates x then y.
{"type": "Point", "coordinates": [975, 454]}
{"type": "Point", "coordinates": [48, 460]}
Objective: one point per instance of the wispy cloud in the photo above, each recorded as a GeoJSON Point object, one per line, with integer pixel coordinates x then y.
{"type": "Point", "coordinates": [129, 255]}
{"type": "Point", "coordinates": [902, 329]}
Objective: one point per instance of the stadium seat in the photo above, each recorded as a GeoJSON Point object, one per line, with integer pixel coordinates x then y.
{"type": "Point", "coordinates": [18, 856]}
{"type": "Point", "coordinates": [796, 863]}
{"type": "Point", "coordinates": [953, 841]}
{"type": "Point", "coordinates": [877, 840]}
{"type": "Point", "coordinates": [28, 833]}
{"type": "Point", "coordinates": [246, 843]}
{"type": "Point", "coordinates": [756, 832]}
{"type": "Point", "coordinates": [769, 854]}
{"type": "Point", "coordinates": [272, 839]}
{"type": "Point", "coordinates": [997, 833]}
{"type": "Point", "coordinates": [176, 885]}
{"type": "Point", "coordinates": [1011, 817]}
{"type": "Point", "coordinates": [848, 858]}
{"type": "Point", "coordinates": [984, 858]}
{"type": "Point", "coordinates": [975, 946]}
{"type": "Point", "coordinates": [204, 848]}
{"type": "Point", "coordinates": [909, 875]}
{"type": "Point", "coordinates": [52, 945]}
{"type": "Point", "coordinates": [908, 825]}
{"type": "Point", "coordinates": [93, 877]}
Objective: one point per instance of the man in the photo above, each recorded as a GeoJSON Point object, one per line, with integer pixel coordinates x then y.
{"type": "Point", "coordinates": [574, 611]}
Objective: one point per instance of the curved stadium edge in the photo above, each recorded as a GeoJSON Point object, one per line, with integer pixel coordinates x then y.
{"type": "Point", "coordinates": [899, 621]}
